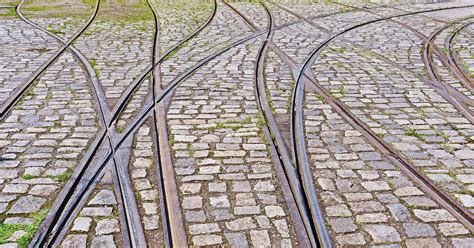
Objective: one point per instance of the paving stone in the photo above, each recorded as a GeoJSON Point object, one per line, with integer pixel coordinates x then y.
{"type": "Point", "coordinates": [452, 229]}
{"type": "Point", "coordinates": [82, 224]}
{"type": "Point", "coordinates": [192, 202]}
{"type": "Point", "coordinates": [236, 239]}
{"type": "Point", "coordinates": [205, 240]}
{"type": "Point", "coordinates": [241, 224]}
{"type": "Point", "coordinates": [274, 211]}
{"type": "Point", "coordinates": [151, 222]}
{"type": "Point", "coordinates": [204, 228]}
{"type": "Point", "coordinates": [376, 186]}
{"type": "Point", "coordinates": [383, 233]}
{"type": "Point", "coordinates": [351, 239]}
{"type": "Point", "coordinates": [462, 242]}
{"type": "Point", "coordinates": [425, 242]}
{"type": "Point", "coordinates": [103, 241]}
{"type": "Point", "coordinates": [27, 204]}
{"type": "Point", "coordinates": [91, 211]}
{"type": "Point", "coordinates": [104, 197]}
{"type": "Point", "coordinates": [75, 241]}
{"type": "Point", "coordinates": [219, 202]}
{"type": "Point", "coordinates": [260, 238]}
{"type": "Point", "coordinates": [339, 210]}
{"type": "Point", "coordinates": [342, 225]}
{"type": "Point", "coordinates": [414, 230]}
{"type": "Point", "coordinates": [107, 226]}
{"type": "Point", "coordinates": [433, 215]}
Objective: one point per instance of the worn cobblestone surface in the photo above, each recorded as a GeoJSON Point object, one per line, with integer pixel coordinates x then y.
{"type": "Point", "coordinates": [408, 115]}
{"type": "Point", "coordinates": [97, 225]}
{"type": "Point", "coordinates": [223, 163]}
{"type": "Point", "coordinates": [229, 193]}
{"type": "Point", "coordinates": [118, 49]}
{"type": "Point", "coordinates": [464, 48]}
{"type": "Point", "coordinates": [18, 62]}
{"type": "Point", "coordinates": [42, 140]}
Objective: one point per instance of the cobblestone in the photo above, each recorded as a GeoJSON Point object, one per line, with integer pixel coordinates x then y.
{"type": "Point", "coordinates": [229, 189]}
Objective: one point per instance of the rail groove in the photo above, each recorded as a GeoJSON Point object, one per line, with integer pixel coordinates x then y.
{"type": "Point", "coordinates": [444, 199]}
{"type": "Point", "coordinates": [18, 93]}
{"type": "Point", "coordinates": [453, 56]}
{"type": "Point", "coordinates": [67, 206]}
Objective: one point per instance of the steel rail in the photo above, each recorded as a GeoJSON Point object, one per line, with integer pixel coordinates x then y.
{"type": "Point", "coordinates": [453, 56]}
{"type": "Point", "coordinates": [287, 174]}
{"type": "Point", "coordinates": [62, 206]}
{"type": "Point", "coordinates": [432, 72]}
{"type": "Point", "coordinates": [147, 110]}
{"type": "Point", "coordinates": [18, 93]}
{"type": "Point", "coordinates": [136, 83]}
{"type": "Point", "coordinates": [445, 200]}
{"type": "Point", "coordinates": [133, 228]}
{"type": "Point", "coordinates": [159, 174]}
{"type": "Point", "coordinates": [466, 111]}
{"type": "Point", "coordinates": [446, 91]}
{"type": "Point", "coordinates": [315, 229]}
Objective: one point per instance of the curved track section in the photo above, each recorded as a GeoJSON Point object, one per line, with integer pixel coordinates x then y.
{"type": "Point", "coordinates": [453, 55]}
{"type": "Point", "coordinates": [455, 208]}
{"type": "Point", "coordinates": [15, 97]}
{"type": "Point", "coordinates": [84, 180]}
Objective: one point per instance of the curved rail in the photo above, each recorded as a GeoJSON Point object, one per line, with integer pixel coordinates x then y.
{"type": "Point", "coordinates": [63, 210]}
{"type": "Point", "coordinates": [316, 229]}
{"type": "Point", "coordinates": [435, 78]}
{"type": "Point", "coordinates": [18, 93]}
{"type": "Point", "coordinates": [173, 228]}
{"type": "Point", "coordinates": [133, 228]}
{"type": "Point", "coordinates": [282, 156]}
{"type": "Point", "coordinates": [428, 55]}
{"type": "Point", "coordinates": [451, 95]}
{"type": "Point", "coordinates": [175, 83]}
{"type": "Point", "coordinates": [453, 56]}
{"type": "Point", "coordinates": [134, 86]}
{"type": "Point", "coordinates": [446, 91]}
{"type": "Point", "coordinates": [145, 113]}
{"type": "Point", "coordinates": [453, 206]}
{"type": "Point", "coordinates": [147, 110]}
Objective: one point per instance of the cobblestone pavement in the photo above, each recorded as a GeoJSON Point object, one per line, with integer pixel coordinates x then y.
{"type": "Point", "coordinates": [88, 159]}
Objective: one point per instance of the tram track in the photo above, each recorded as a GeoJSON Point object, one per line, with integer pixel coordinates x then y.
{"type": "Point", "coordinates": [435, 77]}
{"type": "Point", "coordinates": [132, 228]}
{"type": "Point", "coordinates": [150, 108]}
{"type": "Point", "coordinates": [444, 199]}
{"type": "Point", "coordinates": [460, 103]}
{"type": "Point", "coordinates": [372, 137]}
{"type": "Point", "coordinates": [87, 183]}
{"type": "Point", "coordinates": [439, 195]}
{"type": "Point", "coordinates": [20, 91]}
{"type": "Point", "coordinates": [440, 198]}
{"type": "Point", "coordinates": [453, 56]}
{"type": "Point", "coordinates": [305, 197]}
{"type": "Point", "coordinates": [280, 155]}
